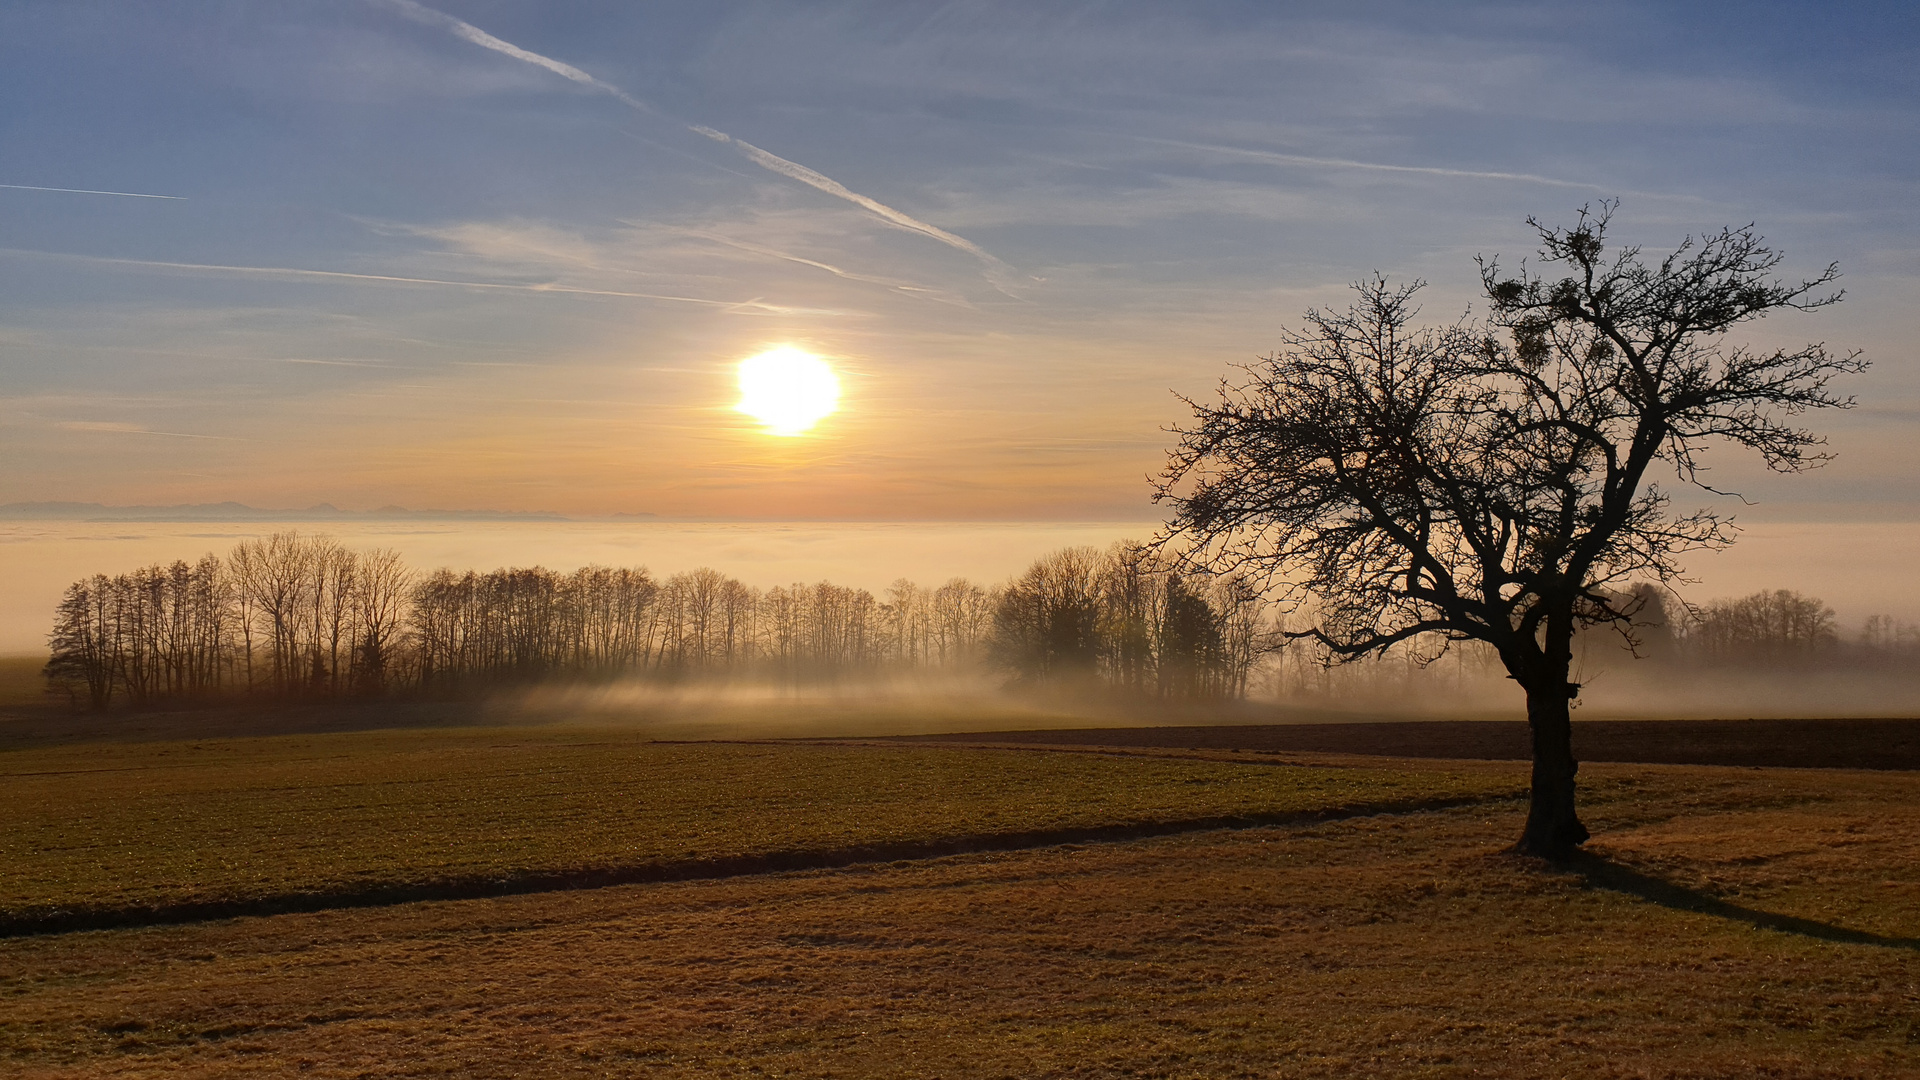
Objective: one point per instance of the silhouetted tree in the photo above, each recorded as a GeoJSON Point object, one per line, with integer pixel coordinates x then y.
{"type": "Point", "coordinates": [1048, 619]}
{"type": "Point", "coordinates": [302, 615]}
{"type": "Point", "coordinates": [160, 632]}
{"type": "Point", "coordinates": [1245, 638]}
{"type": "Point", "coordinates": [1132, 594]}
{"type": "Point", "coordinates": [1884, 639]}
{"type": "Point", "coordinates": [379, 611]}
{"type": "Point", "coordinates": [82, 642]}
{"type": "Point", "coordinates": [1654, 631]}
{"type": "Point", "coordinates": [1130, 618]}
{"type": "Point", "coordinates": [1190, 651]}
{"type": "Point", "coordinates": [962, 616]}
{"type": "Point", "coordinates": [1771, 627]}
{"type": "Point", "coordinates": [276, 580]}
{"type": "Point", "coordinates": [1444, 484]}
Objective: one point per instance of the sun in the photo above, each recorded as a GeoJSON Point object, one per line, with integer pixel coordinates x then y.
{"type": "Point", "coordinates": [788, 390]}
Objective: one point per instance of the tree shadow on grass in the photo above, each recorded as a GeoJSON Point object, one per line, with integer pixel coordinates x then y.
{"type": "Point", "coordinates": [1600, 872]}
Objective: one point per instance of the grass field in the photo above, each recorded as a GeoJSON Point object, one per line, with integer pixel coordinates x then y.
{"type": "Point", "coordinates": [1731, 922]}
{"type": "Point", "coordinates": [116, 831]}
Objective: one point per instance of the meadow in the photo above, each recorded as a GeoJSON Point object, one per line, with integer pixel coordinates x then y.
{"type": "Point", "coordinates": [843, 908]}
{"type": "Point", "coordinates": [154, 831]}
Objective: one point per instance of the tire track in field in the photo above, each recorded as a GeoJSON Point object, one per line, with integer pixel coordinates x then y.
{"type": "Point", "coordinates": [486, 886]}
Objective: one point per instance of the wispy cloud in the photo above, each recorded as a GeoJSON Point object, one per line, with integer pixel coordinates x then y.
{"type": "Point", "coordinates": [774, 253]}
{"type": "Point", "coordinates": [793, 170]}
{"type": "Point", "coordinates": [510, 243]}
{"type": "Point", "coordinates": [90, 191]}
{"type": "Point", "coordinates": [284, 272]}
{"type": "Point", "coordinates": [1370, 166]}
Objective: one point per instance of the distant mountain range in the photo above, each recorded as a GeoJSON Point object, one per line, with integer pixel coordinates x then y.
{"type": "Point", "coordinates": [233, 511]}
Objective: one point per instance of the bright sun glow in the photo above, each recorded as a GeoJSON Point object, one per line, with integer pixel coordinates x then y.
{"type": "Point", "coordinates": [787, 389]}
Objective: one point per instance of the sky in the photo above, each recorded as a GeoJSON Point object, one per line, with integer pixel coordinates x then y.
{"type": "Point", "coordinates": [499, 255]}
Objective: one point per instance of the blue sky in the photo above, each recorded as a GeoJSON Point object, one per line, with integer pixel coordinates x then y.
{"type": "Point", "coordinates": [401, 267]}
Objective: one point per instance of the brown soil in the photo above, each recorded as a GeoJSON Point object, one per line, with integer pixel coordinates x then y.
{"type": "Point", "coordinates": [1820, 744]}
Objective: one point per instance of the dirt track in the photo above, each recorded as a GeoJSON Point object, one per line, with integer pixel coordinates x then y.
{"type": "Point", "coordinates": [1806, 744]}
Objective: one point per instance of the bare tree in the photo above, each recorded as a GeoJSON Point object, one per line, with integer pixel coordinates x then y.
{"type": "Point", "coordinates": [1772, 627]}
{"type": "Point", "coordinates": [1047, 623]}
{"type": "Point", "coordinates": [302, 615]}
{"type": "Point", "coordinates": [1884, 637]}
{"type": "Point", "coordinates": [336, 580]}
{"type": "Point", "coordinates": [905, 611]}
{"type": "Point", "coordinates": [82, 642]}
{"type": "Point", "coordinates": [1244, 636]}
{"type": "Point", "coordinates": [1132, 592]}
{"type": "Point", "coordinates": [379, 609]}
{"type": "Point", "coordinates": [275, 580]}
{"type": "Point", "coordinates": [1189, 651]}
{"type": "Point", "coordinates": [962, 616]}
{"type": "Point", "coordinates": [1446, 485]}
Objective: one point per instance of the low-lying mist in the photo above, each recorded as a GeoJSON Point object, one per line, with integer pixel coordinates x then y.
{"type": "Point", "coordinates": [873, 707]}
{"type": "Point", "coordinates": [984, 701]}
{"type": "Point", "coordinates": [1085, 637]}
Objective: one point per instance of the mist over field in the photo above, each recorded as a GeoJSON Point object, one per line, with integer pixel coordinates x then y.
{"type": "Point", "coordinates": [959, 541]}
{"type": "Point", "coordinates": [911, 681]}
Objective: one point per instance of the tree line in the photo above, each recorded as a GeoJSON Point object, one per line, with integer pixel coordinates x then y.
{"type": "Point", "coordinates": [293, 616]}
{"type": "Point", "coordinates": [1130, 618]}
{"type": "Point", "coordinates": [298, 616]}
{"type": "Point", "coordinates": [1771, 630]}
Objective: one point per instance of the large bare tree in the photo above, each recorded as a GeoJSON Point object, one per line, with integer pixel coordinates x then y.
{"type": "Point", "coordinates": [1497, 481]}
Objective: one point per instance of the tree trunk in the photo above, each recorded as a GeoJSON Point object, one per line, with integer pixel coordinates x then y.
{"type": "Point", "coordinates": [1553, 827]}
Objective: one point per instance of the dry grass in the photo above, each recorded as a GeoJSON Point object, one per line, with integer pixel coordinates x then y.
{"type": "Point", "coordinates": [1397, 945]}
{"type": "Point", "coordinates": [119, 827]}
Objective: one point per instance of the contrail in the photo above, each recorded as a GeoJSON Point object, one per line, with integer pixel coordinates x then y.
{"type": "Point", "coordinates": [1344, 163]}
{"type": "Point", "coordinates": [774, 253]}
{"type": "Point", "coordinates": [89, 191]}
{"type": "Point", "coordinates": [796, 171]}
{"type": "Point", "coordinates": [771, 162]}
{"type": "Point", "coordinates": [294, 272]}
{"type": "Point", "coordinates": [466, 31]}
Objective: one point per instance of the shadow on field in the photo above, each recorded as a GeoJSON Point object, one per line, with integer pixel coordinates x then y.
{"type": "Point", "coordinates": [1603, 873]}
